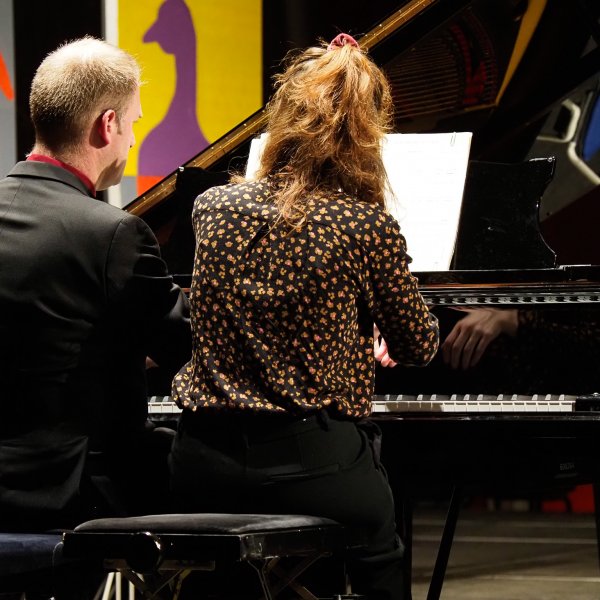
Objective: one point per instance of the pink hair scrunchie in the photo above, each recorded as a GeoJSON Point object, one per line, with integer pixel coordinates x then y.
{"type": "Point", "coordinates": [341, 40]}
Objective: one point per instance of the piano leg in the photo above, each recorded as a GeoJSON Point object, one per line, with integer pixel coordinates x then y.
{"type": "Point", "coordinates": [441, 562]}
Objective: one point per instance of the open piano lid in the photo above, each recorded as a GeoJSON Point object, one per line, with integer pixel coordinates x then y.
{"type": "Point", "coordinates": [493, 67]}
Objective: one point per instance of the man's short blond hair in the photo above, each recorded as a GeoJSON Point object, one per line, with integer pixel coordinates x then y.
{"type": "Point", "coordinates": [74, 85]}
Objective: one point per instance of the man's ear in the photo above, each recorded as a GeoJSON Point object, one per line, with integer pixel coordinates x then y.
{"type": "Point", "coordinates": [107, 125]}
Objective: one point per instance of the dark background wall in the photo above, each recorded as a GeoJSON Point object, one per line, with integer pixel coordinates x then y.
{"type": "Point", "coordinates": [40, 27]}
{"type": "Point", "coordinates": [291, 24]}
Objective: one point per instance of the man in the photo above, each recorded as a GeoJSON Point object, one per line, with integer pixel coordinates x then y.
{"type": "Point", "coordinates": [84, 298]}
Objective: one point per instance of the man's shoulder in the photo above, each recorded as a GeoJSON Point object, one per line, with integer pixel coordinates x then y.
{"type": "Point", "coordinates": [53, 189]}
{"type": "Point", "coordinates": [40, 173]}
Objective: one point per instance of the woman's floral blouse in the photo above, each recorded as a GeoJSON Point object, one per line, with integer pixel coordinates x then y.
{"type": "Point", "coordinates": [283, 320]}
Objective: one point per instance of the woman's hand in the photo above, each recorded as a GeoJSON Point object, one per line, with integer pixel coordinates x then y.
{"type": "Point", "coordinates": [381, 350]}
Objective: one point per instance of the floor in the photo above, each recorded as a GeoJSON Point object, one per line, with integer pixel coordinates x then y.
{"type": "Point", "coordinates": [508, 554]}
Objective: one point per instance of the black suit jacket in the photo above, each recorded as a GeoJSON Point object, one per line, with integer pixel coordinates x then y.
{"type": "Point", "coordinates": [84, 298]}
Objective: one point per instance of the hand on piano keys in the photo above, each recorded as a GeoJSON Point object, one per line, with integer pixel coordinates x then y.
{"type": "Point", "coordinates": [466, 343]}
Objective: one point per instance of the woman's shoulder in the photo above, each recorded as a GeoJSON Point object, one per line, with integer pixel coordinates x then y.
{"type": "Point", "coordinates": [237, 189]}
{"type": "Point", "coordinates": [233, 196]}
{"type": "Point", "coordinates": [352, 215]}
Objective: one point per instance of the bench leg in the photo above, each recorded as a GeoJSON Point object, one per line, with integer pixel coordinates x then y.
{"type": "Point", "coordinates": [151, 587]}
{"type": "Point", "coordinates": [286, 577]}
{"type": "Point", "coordinates": [112, 588]}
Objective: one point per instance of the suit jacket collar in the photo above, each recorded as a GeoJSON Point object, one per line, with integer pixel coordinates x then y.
{"type": "Point", "coordinates": [41, 170]}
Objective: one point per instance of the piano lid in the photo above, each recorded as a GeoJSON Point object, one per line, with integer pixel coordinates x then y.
{"type": "Point", "coordinates": [493, 67]}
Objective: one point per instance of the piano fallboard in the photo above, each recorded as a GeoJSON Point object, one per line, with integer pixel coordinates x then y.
{"type": "Point", "coordinates": [566, 285]}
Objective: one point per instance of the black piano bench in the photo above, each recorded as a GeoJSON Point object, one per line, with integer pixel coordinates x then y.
{"type": "Point", "coordinates": [156, 552]}
{"type": "Point", "coordinates": [29, 564]}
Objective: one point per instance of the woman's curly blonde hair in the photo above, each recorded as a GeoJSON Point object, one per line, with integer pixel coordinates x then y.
{"type": "Point", "coordinates": [326, 122]}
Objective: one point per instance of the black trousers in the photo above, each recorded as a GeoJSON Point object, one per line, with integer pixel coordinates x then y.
{"type": "Point", "coordinates": [314, 466]}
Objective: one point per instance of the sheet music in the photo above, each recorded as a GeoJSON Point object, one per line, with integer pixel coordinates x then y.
{"type": "Point", "coordinates": [427, 176]}
{"type": "Point", "coordinates": [254, 155]}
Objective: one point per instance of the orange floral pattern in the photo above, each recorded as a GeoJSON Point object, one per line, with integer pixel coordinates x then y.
{"type": "Point", "coordinates": [283, 320]}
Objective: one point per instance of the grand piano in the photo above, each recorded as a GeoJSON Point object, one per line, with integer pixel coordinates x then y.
{"type": "Point", "coordinates": [526, 418]}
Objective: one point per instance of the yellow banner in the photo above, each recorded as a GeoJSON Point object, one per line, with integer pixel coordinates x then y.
{"type": "Point", "coordinates": [202, 64]}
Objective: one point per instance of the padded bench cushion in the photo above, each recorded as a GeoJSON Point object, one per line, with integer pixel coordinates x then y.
{"type": "Point", "coordinates": [28, 552]}
{"type": "Point", "coordinates": [205, 523]}
{"type": "Point", "coordinates": [148, 541]}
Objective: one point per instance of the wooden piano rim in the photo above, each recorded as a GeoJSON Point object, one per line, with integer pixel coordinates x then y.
{"type": "Point", "coordinates": [257, 121]}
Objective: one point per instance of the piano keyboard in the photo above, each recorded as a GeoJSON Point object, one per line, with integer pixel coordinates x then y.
{"type": "Point", "coordinates": [474, 403]}
{"type": "Point", "coordinates": [163, 406]}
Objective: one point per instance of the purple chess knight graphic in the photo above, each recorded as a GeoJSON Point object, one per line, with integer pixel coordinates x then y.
{"type": "Point", "coordinates": [178, 137]}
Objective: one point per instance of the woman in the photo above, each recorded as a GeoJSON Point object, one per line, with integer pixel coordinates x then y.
{"type": "Point", "coordinates": [292, 271]}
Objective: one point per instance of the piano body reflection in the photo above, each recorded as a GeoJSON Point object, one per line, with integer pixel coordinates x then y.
{"type": "Point", "coordinates": [496, 68]}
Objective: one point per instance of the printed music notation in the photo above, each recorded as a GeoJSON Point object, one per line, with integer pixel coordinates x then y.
{"type": "Point", "coordinates": [426, 172]}
{"type": "Point", "coordinates": [427, 177]}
